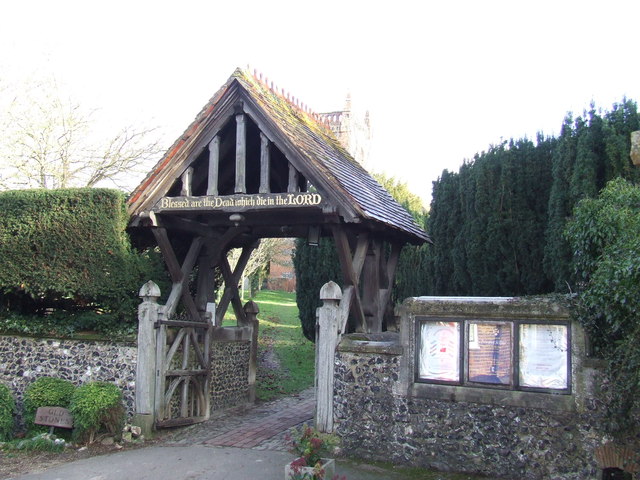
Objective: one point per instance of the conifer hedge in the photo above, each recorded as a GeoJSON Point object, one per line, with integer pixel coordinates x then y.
{"type": "Point", "coordinates": [68, 250]}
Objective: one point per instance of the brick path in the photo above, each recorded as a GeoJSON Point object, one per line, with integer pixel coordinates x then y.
{"type": "Point", "coordinates": [263, 426]}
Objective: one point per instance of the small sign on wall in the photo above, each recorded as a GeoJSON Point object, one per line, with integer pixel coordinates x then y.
{"type": "Point", "coordinates": [54, 417]}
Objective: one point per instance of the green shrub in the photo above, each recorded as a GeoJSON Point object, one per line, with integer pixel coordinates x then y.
{"type": "Point", "coordinates": [43, 442]}
{"type": "Point", "coordinates": [68, 251]}
{"type": "Point", "coordinates": [605, 237]}
{"type": "Point", "coordinates": [97, 406]}
{"type": "Point", "coordinates": [7, 410]}
{"type": "Point", "coordinates": [45, 392]}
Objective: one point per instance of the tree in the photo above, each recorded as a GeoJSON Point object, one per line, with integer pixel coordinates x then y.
{"type": "Point", "coordinates": [315, 266]}
{"type": "Point", "coordinates": [259, 259]}
{"type": "Point", "coordinates": [50, 141]}
{"type": "Point", "coordinates": [445, 221]}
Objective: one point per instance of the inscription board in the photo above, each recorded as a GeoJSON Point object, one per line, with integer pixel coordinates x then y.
{"type": "Point", "coordinates": [54, 417]}
{"type": "Point", "coordinates": [240, 202]}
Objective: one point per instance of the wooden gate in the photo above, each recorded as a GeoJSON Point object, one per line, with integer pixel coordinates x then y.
{"type": "Point", "coordinates": [183, 364]}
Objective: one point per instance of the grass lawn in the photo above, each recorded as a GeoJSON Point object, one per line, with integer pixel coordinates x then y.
{"type": "Point", "coordinates": [281, 333]}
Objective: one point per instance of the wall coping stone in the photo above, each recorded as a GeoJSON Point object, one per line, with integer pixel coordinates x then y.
{"type": "Point", "coordinates": [385, 343]}
{"type": "Point", "coordinates": [552, 306]}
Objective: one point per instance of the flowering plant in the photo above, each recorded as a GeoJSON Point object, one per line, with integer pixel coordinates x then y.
{"type": "Point", "coordinates": [301, 473]}
{"type": "Point", "coordinates": [310, 446]}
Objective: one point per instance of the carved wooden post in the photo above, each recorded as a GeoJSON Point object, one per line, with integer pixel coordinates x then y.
{"type": "Point", "coordinates": [214, 162]}
{"type": "Point", "coordinates": [146, 364]}
{"type": "Point", "coordinates": [241, 154]}
{"type": "Point", "coordinates": [293, 179]}
{"type": "Point", "coordinates": [265, 164]}
{"type": "Point", "coordinates": [326, 341]}
{"type": "Point", "coordinates": [187, 178]}
{"type": "Point", "coordinates": [251, 311]}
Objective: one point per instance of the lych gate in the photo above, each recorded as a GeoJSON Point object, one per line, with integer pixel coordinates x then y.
{"type": "Point", "coordinates": [256, 164]}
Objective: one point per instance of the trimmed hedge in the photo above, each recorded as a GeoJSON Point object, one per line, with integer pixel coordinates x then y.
{"type": "Point", "coordinates": [45, 392]}
{"type": "Point", "coordinates": [7, 410]}
{"type": "Point", "coordinates": [96, 406]}
{"type": "Point", "coordinates": [68, 250]}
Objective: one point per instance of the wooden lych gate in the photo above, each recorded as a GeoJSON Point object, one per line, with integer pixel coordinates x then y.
{"type": "Point", "coordinates": [256, 164]}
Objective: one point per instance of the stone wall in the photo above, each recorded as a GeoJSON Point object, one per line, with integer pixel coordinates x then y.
{"type": "Point", "coordinates": [24, 359]}
{"type": "Point", "coordinates": [381, 413]}
{"type": "Point", "coordinates": [229, 385]}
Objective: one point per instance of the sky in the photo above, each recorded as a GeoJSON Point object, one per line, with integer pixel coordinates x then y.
{"type": "Point", "coordinates": [442, 81]}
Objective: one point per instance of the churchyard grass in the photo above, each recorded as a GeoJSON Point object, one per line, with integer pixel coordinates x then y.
{"type": "Point", "coordinates": [289, 355]}
{"type": "Point", "coordinates": [286, 358]}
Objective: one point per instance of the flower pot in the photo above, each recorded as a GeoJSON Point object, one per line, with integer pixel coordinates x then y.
{"type": "Point", "coordinates": [294, 471]}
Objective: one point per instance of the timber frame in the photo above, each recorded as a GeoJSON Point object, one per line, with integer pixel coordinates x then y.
{"type": "Point", "coordinates": [256, 163]}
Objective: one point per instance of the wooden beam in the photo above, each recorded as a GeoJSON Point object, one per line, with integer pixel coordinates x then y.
{"type": "Point", "coordinates": [390, 275]}
{"type": "Point", "coordinates": [241, 153]}
{"type": "Point", "coordinates": [265, 164]}
{"type": "Point", "coordinates": [219, 247]}
{"type": "Point", "coordinates": [179, 275]}
{"type": "Point", "coordinates": [214, 166]}
{"type": "Point", "coordinates": [351, 270]}
{"type": "Point", "coordinates": [187, 267]}
{"type": "Point", "coordinates": [293, 179]}
{"type": "Point", "coordinates": [186, 178]}
{"type": "Point", "coordinates": [205, 282]}
{"type": "Point", "coordinates": [371, 288]}
{"type": "Point", "coordinates": [361, 254]}
{"type": "Point", "coordinates": [173, 222]}
{"type": "Point", "coordinates": [231, 293]}
{"type": "Point", "coordinates": [170, 259]}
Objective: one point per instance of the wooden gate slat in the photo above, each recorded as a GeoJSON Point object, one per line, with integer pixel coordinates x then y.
{"type": "Point", "coordinates": [188, 384]}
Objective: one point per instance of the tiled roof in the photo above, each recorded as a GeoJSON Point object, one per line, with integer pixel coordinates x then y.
{"type": "Point", "coordinates": [321, 157]}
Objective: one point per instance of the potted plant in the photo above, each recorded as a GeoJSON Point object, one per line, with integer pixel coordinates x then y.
{"type": "Point", "coordinates": [311, 447]}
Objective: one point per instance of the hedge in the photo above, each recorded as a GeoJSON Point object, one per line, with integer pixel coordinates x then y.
{"type": "Point", "coordinates": [68, 249]}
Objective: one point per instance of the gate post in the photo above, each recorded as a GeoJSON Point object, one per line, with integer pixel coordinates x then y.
{"type": "Point", "coordinates": [326, 341]}
{"type": "Point", "coordinates": [251, 311]}
{"type": "Point", "coordinates": [146, 364]}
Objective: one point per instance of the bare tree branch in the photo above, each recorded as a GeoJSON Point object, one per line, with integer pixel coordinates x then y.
{"type": "Point", "coordinates": [50, 142]}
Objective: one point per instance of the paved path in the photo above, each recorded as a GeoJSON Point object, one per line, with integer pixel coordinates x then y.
{"type": "Point", "coordinates": [262, 427]}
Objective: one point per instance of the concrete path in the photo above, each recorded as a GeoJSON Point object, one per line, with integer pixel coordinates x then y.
{"type": "Point", "coordinates": [238, 444]}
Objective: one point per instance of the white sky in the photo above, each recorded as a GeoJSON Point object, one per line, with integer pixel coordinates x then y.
{"type": "Point", "coordinates": [442, 80]}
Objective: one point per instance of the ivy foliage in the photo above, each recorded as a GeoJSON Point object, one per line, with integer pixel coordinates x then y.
{"type": "Point", "coordinates": [68, 251]}
{"type": "Point", "coordinates": [604, 235]}
{"type": "Point", "coordinates": [45, 392]}
{"type": "Point", "coordinates": [96, 407]}
{"type": "Point", "coordinates": [7, 410]}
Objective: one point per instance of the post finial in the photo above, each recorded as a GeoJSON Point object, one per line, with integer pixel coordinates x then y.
{"type": "Point", "coordinates": [251, 307]}
{"type": "Point", "coordinates": [149, 291]}
{"type": "Point", "coordinates": [330, 291]}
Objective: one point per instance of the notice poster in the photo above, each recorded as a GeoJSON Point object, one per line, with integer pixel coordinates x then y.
{"type": "Point", "coordinates": [543, 356]}
{"type": "Point", "coordinates": [440, 351]}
